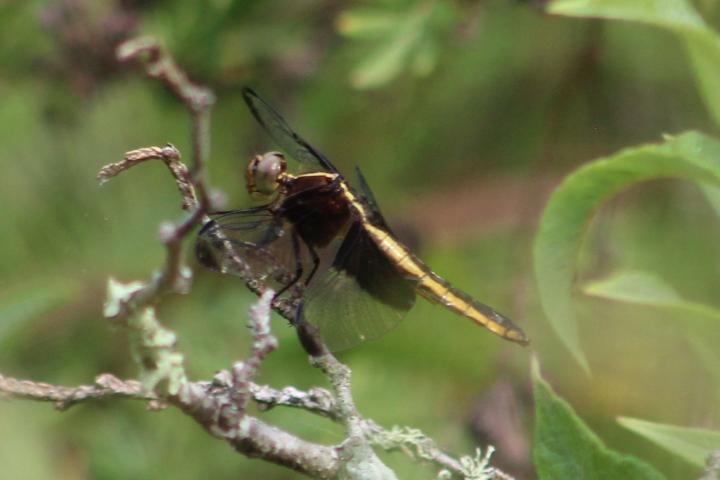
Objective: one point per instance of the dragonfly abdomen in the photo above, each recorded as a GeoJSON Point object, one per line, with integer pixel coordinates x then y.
{"type": "Point", "coordinates": [436, 289]}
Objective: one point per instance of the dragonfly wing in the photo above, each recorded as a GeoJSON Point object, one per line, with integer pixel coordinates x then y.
{"type": "Point", "coordinates": [252, 244]}
{"type": "Point", "coordinates": [286, 138]}
{"type": "Point", "coordinates": [370, 201]}
{"type": "Point", "coordinates": [360, 296]}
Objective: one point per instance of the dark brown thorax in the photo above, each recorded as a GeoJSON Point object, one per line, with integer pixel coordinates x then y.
{"type": "Point", "coordinates": [316, 205]}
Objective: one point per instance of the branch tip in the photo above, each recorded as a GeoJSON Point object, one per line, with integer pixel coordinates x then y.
{"type": "Point", "coordinates": [118, 295]}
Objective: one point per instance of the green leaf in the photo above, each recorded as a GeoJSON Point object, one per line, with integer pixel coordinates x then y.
{"type": "Point", "coordinates": [363, 23]}
{"type": "Point", "coordinates": [402, 41]}
{"type": "Point", "coordinates": [384, 64]}
{"type": "Point", "coordinates": [676, 16]}
{"type": "Point", "coordinates": [692, 444]}
{"type": "Point", "coordinates": [690, 156]}
{"type": "Point", "coordinates": [646, 289]}
{"type": "Point", "coordinates": [564, 447]}
{"type": "Point", "coordinates": [636, 287]}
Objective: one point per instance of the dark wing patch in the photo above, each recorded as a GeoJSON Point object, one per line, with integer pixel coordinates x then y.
{"type": "Point", "coordinates": [360, 258]}
{"type": "Point", "coordinates": [360, 297]}
{"type": "Point", "coordinates": [286, 138]}
{"type": "Point", "coordinates": [375, 215]}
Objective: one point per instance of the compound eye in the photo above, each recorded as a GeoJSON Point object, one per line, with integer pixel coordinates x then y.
{"type": "Point", "coordinates": [264, 172]}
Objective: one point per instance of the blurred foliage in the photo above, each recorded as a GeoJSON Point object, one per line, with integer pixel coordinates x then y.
{"type": "Point", "coordinates": [679, 17]}
{"type": "Point", "coordinates": [693, 444]}
{"type": "Point", "coordinates": [689, 156]}
{"type": "Point", "coordinates": [440, 103]}
{"type": "Point", "coordinates": [566, 448]}
{"type": "Point", "coordinates": [406, 39]}
{"type": "Point", "coordinates": [646, 288]}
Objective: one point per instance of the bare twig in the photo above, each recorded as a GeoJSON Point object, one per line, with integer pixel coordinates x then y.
{"type": "Point", "coordinates": [239, 381]}
{"type": "Point", "coordinates": [264, 343]}
{"type": "Point", "coordinates": [170, 156]}
{"type": "Point", "coordinates": [316, 400]}
{"type": "Point", "coordinates": [106, 386]}
{"type": "Point", "coordinates": [160, 65]}
{"type": "Point", "coordinates": [174, 276]}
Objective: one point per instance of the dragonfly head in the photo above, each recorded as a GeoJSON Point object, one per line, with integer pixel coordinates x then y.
{"type": "Point", "coordinates": [264, 172]}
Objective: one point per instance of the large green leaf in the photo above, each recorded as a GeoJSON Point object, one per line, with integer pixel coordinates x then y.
{"type": "Point", "coordinates": [645, 288]}
{"type": "Point", "coordinates": [692, 444]}
{"type": "Point", "coordinates": [676, 16]}
{"type": "Point", "coordinates": [690, 156]}
{"type": "Point", "coordinates": [564, 447]}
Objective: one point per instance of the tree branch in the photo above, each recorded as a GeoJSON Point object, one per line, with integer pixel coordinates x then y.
{"type": "Point", "coordinates": [160, 65]}
{"type": "Point", "coordinates": [220, 405]}
{"type": "Point", "coordinates": [411, 442]}
{"type": "Point", "coordinates": [106, 386]}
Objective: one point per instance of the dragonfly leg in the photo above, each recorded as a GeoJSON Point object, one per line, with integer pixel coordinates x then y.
{"type": "Point", "coordinates": [316, 263]}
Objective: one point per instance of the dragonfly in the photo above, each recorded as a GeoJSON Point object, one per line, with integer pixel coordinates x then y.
{"type": "Point", "coordinates": [319, 233]}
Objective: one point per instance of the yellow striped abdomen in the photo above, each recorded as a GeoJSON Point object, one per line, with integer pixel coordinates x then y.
{"type": "Point", "coordinates": [435, 288]}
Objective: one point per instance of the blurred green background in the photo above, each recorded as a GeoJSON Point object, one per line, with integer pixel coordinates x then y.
{"type": "Point", "coordinates": [463, 116]}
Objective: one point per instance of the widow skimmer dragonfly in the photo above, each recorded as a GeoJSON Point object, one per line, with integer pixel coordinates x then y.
{"type": "Point", "coordinates": [317, 232]}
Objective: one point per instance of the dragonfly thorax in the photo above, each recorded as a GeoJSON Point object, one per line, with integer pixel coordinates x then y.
{"type": "Point", "coordinates": [264, 172]}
